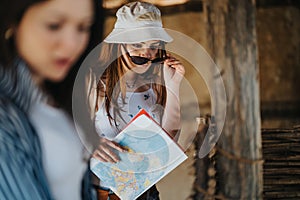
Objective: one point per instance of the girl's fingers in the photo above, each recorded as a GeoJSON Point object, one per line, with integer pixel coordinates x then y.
{"type": "Point", "coordinates": [100, 157]}
{"type": "Point", "coordinates": [177, 66]}
{"type": "Point", "coordinates": [105, 151]}
{"type": "Point", "coordinates": [116, 146]}
{"type": "Point", "coordinates": [174, 62]}
{"type": "Point", "coordinates": [180, 69]}
{"type": "Point", "coordinates": [112, 144]}
{"type": "Point", "coordinates": [106, 155]}
{"type": "Point", "coordinates": [174, 70]}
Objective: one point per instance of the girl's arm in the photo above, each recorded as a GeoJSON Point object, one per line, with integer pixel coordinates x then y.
{"type": "Point", "coordinates": [104, 150]}
{"type": "Point", "coordinates": [173, 75]}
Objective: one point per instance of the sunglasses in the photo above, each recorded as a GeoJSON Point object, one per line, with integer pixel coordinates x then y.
{"type": "Point", "coordinates": [138, 60]}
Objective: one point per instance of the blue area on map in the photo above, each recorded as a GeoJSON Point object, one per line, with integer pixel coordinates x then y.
{"type": "Point", "coordinates": [140, 167]}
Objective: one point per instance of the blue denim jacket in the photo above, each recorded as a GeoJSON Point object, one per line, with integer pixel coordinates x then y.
{"type": "Point", "coordinates": [22, 174]}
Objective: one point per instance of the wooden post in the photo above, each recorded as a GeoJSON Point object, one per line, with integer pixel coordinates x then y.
{"type": "Point", "coordinates": [231, 34]}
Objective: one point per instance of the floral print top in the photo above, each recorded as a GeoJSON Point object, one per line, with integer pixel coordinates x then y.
{"type": "Point", "coordinates": [134, 101]}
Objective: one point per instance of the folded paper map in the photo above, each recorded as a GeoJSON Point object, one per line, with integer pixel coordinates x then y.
{"type": "Point", "coordinates": [151, 155]}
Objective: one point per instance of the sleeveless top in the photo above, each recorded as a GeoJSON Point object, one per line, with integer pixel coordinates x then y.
{"type": "Point", "coordinates": [134, 101]}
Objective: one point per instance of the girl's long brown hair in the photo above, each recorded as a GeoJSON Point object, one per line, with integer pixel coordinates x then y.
{"type": "Point", "coordinates": [110, 84]}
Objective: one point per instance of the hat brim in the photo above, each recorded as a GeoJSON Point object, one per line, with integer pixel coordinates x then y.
{"type": "Point", "coordinates": [137, 35]}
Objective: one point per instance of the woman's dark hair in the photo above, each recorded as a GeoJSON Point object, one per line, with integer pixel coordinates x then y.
{"type": "Point", "coordinates": [62, 91]}
{"type": "Point", "coordinates": [11, 13]}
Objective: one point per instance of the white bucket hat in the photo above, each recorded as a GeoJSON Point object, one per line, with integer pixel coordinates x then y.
{"type": "Point", "coordinates": [138, 22]}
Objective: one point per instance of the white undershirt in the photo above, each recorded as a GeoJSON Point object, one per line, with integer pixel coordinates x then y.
{"type": "Point", "coordinates": [62, 151]}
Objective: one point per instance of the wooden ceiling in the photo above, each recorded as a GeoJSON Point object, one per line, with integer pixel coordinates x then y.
{"type": "Point", "coordinates": [110, 4]}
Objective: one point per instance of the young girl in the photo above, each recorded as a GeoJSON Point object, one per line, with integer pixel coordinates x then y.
{"type": "Point", "coordinates": [138, 74]}
{"type": "Point", "coordinates": [41, 156]}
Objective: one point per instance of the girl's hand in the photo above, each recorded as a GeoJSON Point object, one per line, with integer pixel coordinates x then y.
{"type": "Point", "coordinates": [105, 151]}
{"type": "Point", "coordinates": [173, 71]}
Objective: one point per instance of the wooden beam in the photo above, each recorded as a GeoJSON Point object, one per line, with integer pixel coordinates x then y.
{"type": "Point", "coordinates": [197, 6]}
{"type": "Point", "coordinates": [277, 3]}
{"type": "Point", "coordinates": [190, 6]}
{"type": "Point", "coordinates": [280, 110]}
{"type": "Point", "coordinates": [231, 38]}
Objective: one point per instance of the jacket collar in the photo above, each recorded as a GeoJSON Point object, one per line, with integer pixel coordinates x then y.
{"type": "Point", "coordinates": [17, 85]}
